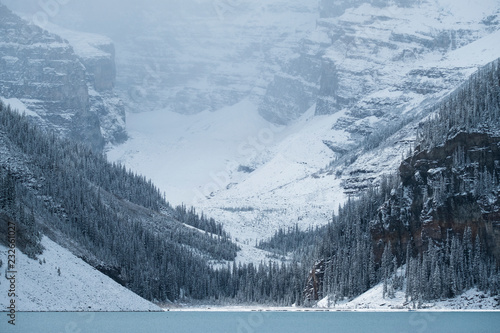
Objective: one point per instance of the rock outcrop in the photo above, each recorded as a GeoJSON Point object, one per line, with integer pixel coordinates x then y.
{"type": "Point", "coordinates": [97, 54]}
{"type": "Point", "coordinates": [70, 94]}
{"type": "Point", "coordinates": [374, 59]}
{"type": "Point", "coordinates": [444, 191]}
{"type": "Point", "coordinates": [293, 91]}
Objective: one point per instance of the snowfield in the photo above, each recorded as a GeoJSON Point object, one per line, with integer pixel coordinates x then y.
{"type": "Point", "coordinates": [189, 155]}
{"type": "Point", "coordinates": [252, 175]}
{"type": "Point", "coordinates": [79, 287]}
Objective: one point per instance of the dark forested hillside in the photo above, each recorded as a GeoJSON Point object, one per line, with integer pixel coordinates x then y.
{"type": "Point", "coordinates": [440, 216]}
{"type": "Point", "coordinates": [292, 240]}
{"type": "Point", "coordinates": [119, 221]}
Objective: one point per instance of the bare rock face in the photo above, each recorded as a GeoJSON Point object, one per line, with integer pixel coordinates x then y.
{"type": "Point", "coordinates": [293, 92]}
{"type": "Point", "coordinates": [97, 54]}
{"type": "Point", "coordinates": [43, 71]}
{"type": "Point", "coordinates": [444, 191]}
{"type": "Point", "coordinates": [101, 69]}
{"type": "Point", "coordinates": [314, 285]}
{"type": "Point", "coordinates": [328, 98]}
{"type": "Point", "coordinates": [373, 59]}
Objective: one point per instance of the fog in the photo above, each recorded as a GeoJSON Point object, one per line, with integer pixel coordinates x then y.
{"type": "Point", "coordinates": [115, 18]}
{"type": "Point", "coordinates": [186, 56]}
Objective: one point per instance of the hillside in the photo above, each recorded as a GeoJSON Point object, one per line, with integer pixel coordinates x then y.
{"type": "Point", "coordinates": [114, 220]}
{"type": "Point", "coordinates": [79, 286]}
{"type": "Point", "coordinates": [438, 215]}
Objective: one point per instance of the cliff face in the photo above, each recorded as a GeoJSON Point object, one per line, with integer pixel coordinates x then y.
{"type": "Point", "coordinates": [43, 71]}
{"type": "Point", "coordinates": [97, 54]}
{"type": "Point", "coordinates": [376, 60]}
{"type": "Point", "coordinates": [101, 69]}
{"type": "Point", "coordinates": [201, 55]}
{"type": "Point", "coordinates": [293, 91]}
{"type": "Point", "coordinates": [444, 191]}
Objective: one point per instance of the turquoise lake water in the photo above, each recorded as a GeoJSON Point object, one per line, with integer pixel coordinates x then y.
{"type": "Point", "coordinates": [250, 322]}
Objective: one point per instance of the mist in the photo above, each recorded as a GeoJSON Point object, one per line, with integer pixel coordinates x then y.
{"type": "Point", "coordinates": [174, 54]}
{"type": "Point", "coordinates": [113, 17]}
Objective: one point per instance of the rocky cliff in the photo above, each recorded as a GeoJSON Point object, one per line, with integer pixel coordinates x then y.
{"type": "Point", "coordinates": [446, 190]}
{"type": "Point", "coordinates": [69, 93]}
{"type": "Point", "coordinates": [97, 54]}
{"type": "Point", "coordinates": [375, 59]}
{"type": "Point", "coordinates": [450, 183]}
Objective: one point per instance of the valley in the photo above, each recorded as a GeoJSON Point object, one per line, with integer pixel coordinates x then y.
{"type": "Point", "coordinates": [340, 124]}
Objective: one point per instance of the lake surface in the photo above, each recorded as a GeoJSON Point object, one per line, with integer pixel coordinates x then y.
{"type": "Point", "coordinates": [254, 321]}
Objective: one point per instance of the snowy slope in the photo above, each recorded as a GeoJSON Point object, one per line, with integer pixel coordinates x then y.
{"type": "Point", "coordinates": [255, 177]}
{"type": "Point", "coordinates": [79, 287]}
{"type": "Point", "coordinates": [291, 181]}
{"type": "Point", "coordinates": [189, 154]}
{"type": "Point", "coordinates": [287, 187]}
{"type": "Point", "coordinates": [373, 299]}
{"type": "Point", "coordinates": [472, 299]}
{"type": "Point", "coordinates": [198, 158]}
{"type": "Point", "coordinates": [282, 191]}
{"type": "Point", "coordinates": [18, 105]}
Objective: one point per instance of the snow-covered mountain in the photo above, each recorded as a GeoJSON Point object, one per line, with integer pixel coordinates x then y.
{"type": "Point", "coordinates": [271, 114]}
{"type": "Point", "coordinates": [205, 55]}
{"type": "Point", "coordinates": [190, 56]}
{"type": "Point", "coordinates": [358, 76]}
{"type": "Point", "coordinates": [256, 109]}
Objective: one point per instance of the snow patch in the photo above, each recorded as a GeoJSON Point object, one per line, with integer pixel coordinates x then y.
{"type": "Point", "coordinates": [18, 105]}
{"type": "Point", "coordinates": [86, 45]}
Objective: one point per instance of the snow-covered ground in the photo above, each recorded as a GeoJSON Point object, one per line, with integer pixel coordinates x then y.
{"type": "Point", "coordinates": [190, 156]}
{"type": "Point", "coordinates": [78, 287]}
{"type": "Point", "coordinates": [18, 105]}
{"type": "Point", "coordinates": [373, 299]}
{"type": "Point", "coordinates": [472, 299]}
{"type": "Point", "coordinates": [236, 166]}
{"type": "Point", "coordinates": [282, 190]}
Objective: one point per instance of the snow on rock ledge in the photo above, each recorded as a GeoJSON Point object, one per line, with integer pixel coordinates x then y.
{"type": "Point", "coordinates": [78, 287]}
